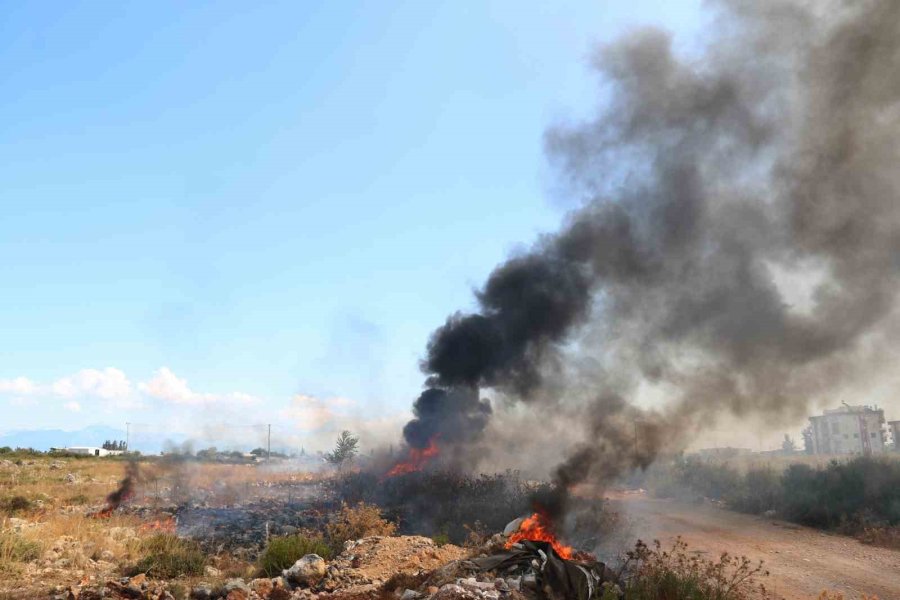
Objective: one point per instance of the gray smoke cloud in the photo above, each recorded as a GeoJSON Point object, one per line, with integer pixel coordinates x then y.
{"type": "Point", "coordinates": [711, 187]}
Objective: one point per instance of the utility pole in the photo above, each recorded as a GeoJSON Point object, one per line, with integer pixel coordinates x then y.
{"type": "Point", "coordinates": [635, 422]}
{"type": "Point", "coordinates": [127, 434]}
{"type": "Point", "coordinates": [269, 445]}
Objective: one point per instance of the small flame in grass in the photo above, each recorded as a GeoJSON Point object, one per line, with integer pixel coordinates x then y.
{"type": "Point", "coordinates": [161, 525]}
{"type": "Point", "coordinates": [536, 529]}
{"type": "Point", "coordinates": [417, 459]}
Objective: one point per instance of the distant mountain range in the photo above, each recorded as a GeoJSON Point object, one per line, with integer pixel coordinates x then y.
{"type": "Point", "coordinates": [94, 435]}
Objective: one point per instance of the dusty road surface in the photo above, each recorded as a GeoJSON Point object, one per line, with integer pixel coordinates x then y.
{"type": "Point", "coordinates": [802, 561]}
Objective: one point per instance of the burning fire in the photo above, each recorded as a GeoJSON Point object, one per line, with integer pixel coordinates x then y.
{"type": "Point", "coordinates": [536, 529]}
{"type": "Point", "coordinates": [161, 525]}
{"type": "Point", "coordinates": [418, 458]}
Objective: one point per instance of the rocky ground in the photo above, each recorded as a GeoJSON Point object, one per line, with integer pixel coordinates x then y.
{"type": "Point", "coordinates": [377, 567]}
{"type": "Point", "coordinates": [72, 555]}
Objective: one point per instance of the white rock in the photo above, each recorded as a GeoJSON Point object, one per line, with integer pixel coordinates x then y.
{"type": "Point", "coordinates": [308, 569]}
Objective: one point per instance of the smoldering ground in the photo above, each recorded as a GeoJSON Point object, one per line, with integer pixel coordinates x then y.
{"type": "Point", "coordinates": [715, 190]}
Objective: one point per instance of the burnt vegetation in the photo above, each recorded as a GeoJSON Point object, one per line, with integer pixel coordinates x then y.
{"type": "Point", "coordinates": [443, 502]}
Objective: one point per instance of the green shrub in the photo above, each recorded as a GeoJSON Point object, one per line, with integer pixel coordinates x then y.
{"type": "Point", "coordinates": [282, 552]}
{"type": "Point", "coordinates": [441, 539]}
{"type": "Point", "coordinates": [167, 556]}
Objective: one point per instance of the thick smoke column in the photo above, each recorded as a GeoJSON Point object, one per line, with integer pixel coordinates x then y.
{"type": "Point", "coordinates": [715, 191]}
{"type": "Point", "coordinates": [448, 416]}
{"type": "Point", "coordinates": [123, 493]}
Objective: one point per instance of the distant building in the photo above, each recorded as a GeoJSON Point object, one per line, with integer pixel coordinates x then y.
{"type": "Point", "coordinates": [894, 426]}
{"type": "Point", "coordinates": [848, 430]}
{"type": "Point", "coordinates": [88, 451]}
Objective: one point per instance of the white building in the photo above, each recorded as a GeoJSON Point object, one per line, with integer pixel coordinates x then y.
{"type": "Point", "coordinates": [848, 430]}
{"type": "Point", "coordinates": [89, 451]}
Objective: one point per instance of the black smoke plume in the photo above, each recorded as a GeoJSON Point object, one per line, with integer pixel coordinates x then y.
{"type": "Point", "coordinates": [124, 492]}
{"type": "Point", "coordinates": [738, 242]}
{"type": "Point", "coordinates": [452, 416]}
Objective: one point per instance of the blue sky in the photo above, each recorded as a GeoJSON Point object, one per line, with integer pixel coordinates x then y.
{"type": "Point", "coordinates": [236, 213]}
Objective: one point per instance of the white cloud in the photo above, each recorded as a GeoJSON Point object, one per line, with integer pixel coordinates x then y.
{"type": "Point", "coordinates": [167, 386]}
{"type": "Point", "coordinates": [20, 386]}
{"type": "Point", "coordinates": [108, 384]}
{"type": "Point", "coordinates": [72, 406]}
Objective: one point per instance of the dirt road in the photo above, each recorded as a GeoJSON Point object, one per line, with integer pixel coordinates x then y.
{"type": "Point", "coordinates": [802, 561]}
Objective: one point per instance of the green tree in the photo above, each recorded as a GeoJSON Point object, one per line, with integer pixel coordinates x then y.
{"type": "Point", "coordinates": [345, 449]}
{"type": "Point", "coordinates": [208, 454]}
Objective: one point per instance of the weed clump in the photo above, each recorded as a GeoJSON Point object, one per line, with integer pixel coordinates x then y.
{"type": "Point", "coordinates": [282, 552]}
{"type": "Point", "coordinates": [355, 522]}
{"type": "Point", "coordinates": [166, 556]}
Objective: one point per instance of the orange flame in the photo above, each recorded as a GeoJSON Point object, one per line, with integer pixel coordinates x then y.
{"type": "Point", "coordinates": [161, 525]}
{"type": "Point", "coordinates": [418, 458]}
{"type": "Point", "coordinates": [536, 529]}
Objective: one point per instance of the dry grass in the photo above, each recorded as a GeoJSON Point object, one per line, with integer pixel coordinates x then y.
{"type": "Point", "coordinates": [94, 479]}
{"type": "Point", "coordinates": [56, 527]}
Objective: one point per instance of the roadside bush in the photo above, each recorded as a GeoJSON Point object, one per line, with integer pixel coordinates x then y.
{"type": "Point", "coordinates": [166, 556]}
{"type": "Point", "coordinates": [852, 495]}
{"type": "Point", "coordinates": [282, 552]}
{"type": "Point", "coordinates": [355, 522]}
{"type": "Point", "coordinates": [858, 496]}
{"type": "Point", "coordinates": [657, 574]}
{"type": "Point", "coordinates": [758, 491]}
